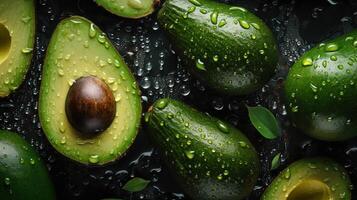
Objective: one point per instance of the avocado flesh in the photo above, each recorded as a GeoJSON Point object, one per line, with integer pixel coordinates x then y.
{"type": "Point", "coordinates": [79, 48]}
{"type": "Point", "coordinates": [226, 47]}
{"type": "Point", "coordinates": [310, 179]}
{"type": "Point", "coordinates": [129, 8]}
{"type": "Point", "coordinates": [321, 90]}
{"type": "Point", "coordinates": [22, 173]}
{"type": "Point", "coordinates": [210, 159]}
{"type": "Point", "coordinates": [17, 38]}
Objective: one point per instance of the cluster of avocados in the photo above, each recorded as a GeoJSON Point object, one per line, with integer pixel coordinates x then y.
{"type": "Point", "coordinates": [90, 106]}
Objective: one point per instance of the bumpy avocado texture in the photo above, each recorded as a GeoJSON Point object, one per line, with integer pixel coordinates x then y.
{"type": "Point", "coordinates": [22, 173]}
{"type": "Point", "coordinates": [79, 49]}
{"type": "Point", "coordinates": [17, 38]}
{"type": "Point", "coordinates": [226, 47]}
{"type": "Point", "coordinates": [209, 158]}
{"type": "Point", "coordinates": [310, 179]}
{"type": "Point", "coordinates": [321, 90]}
{"type": "Point", "coordinates": [129, 8]}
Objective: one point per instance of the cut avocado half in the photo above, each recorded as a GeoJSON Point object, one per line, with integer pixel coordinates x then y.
{"type": "Point", "coordinates": [17, 37]}
{"type": "Point", "coordinates": [90, 105]}
{"type": "Point", "coordinates": [310, 179]}
{"type": "Point", "coordinates": [22, 172]}
{"type": "Point", "coordinates": [129, 8]}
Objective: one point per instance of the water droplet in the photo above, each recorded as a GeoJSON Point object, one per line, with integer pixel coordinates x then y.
{"type": "Point", "coordinates": [26, 19]}
{"type": "Point", "coordinates": [333, 58]}
{"type": "Point", "coordinates": [222, 126]}
{"type": "Point", "coordinates": [307, 62]}
{"type": "Point", "coordinates": [313, 87]}
{"type": "Point", "coordinates": [214, 17]}
{"type": "Point", "coordinates": [27, 50]}
{"type": "Point", "coordinates": [331, 47]}
{"type": "Point", "coordinates": [136, 4]}
{"type": "Point", "coordinates": [190, 154]}
{"type": "Point", "coordinates": [244, 24]}
{"type": "Point", "coordinates": [255, 25]}
{"type": "Point", "coordinates": [203, 11]}
{"type": "Point", "coordinates": [93, 159]}
{"type": "Point", "coordinates": [238, 8]}
{"type": "Point", "coordinates": [7, 181]}
{"type": "Point", "coordinates": [195, 2]}
{"type": "Point", "coordinates": [215, 58]}
{"type": "Point", "coordinates": [222, 23]}
{"type": "Point", "coordinates": [340, 67]}
{"type": "Point", "coordinates": [92, 31]}
{"type": "Point", "coordinates": [200, 65]}
{"type": "Point", "coordinates": [32, 161]}
{"type": "Point", "coordinates": [355, 43]}
{"type": "Point", "coordinates": [162, 104]}
{"type": "Point", "coordinates": [287, 173]}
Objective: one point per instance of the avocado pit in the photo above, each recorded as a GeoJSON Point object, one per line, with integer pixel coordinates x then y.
{"type": "Point", "coordinates": [5, 43]}
{"type": "Point", "coordinates": [311, 190]}
{"type": "Point", "coordinates": [90, 105]}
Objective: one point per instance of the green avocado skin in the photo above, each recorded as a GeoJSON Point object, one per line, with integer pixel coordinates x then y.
{"type": "Point", "coordinates": [210, 159]}
{"type": "Point", "coordinates": [321, 90]}
{"type": "Point", "coordinates": [317, 168]}
{"type": "Point", "coordinates": [23, 176]}
{"type": "Point", "coordinates": [234, 49]}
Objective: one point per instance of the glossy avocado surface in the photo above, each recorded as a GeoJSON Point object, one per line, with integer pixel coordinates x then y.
{"type": "Point", "coordinates": [321, 89]}
{"type": "Point", "coordinates": [226, 47]}
{"type": "Point", "coordinates": [211, 159]}
{"type": "Point", "coordinates": [23, 175]}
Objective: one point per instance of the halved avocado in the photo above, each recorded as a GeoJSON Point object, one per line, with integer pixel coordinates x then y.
{"type": "Point", "coordinates": [17, 38]}
{"type": "Point", "coordinates": [90, 106]}
{"type": "Point", "coordinates": [22, 173]}
{"type": "Point", "coordinates": [310, 179]}
{"type": "Point", "coordinates": [129, 8]}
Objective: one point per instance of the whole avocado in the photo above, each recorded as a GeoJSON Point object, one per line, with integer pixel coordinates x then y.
{"type": "Point", "coordinates": [227, 47]}
{"type": "Point", "coordinates": [22, 173]}
{"type": "Point", "coordinates": [210, 159]}
{"type": "Point", "coordinates": [321, 90]}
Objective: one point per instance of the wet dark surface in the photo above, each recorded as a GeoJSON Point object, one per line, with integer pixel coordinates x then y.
{"type": "Point", "coordinates": [298, 25]}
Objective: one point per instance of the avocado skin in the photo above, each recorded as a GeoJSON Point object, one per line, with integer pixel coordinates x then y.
{"type": "Point", "coordinates": [325, 97]}
{"type": "Point", "coordinates": [241, 68]}
{"type": "Point", "coordinates": [180, 131]}
{"type": "Point", "coordinates": [26, 180]}
{"type": "Point", "coordinates": [318, 168]}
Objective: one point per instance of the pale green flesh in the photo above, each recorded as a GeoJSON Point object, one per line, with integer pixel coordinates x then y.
{"type": "Point", "coordinates": [129, 8]}
{"type": "Point", "coordinates": [76, 49]}
{"type": "Point", "coordinates": [310, 179]}
{"type": "Point", "coordinates": [17, 37]}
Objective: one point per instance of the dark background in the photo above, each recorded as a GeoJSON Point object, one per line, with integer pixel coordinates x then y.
{"type": "Point", "coordinates": [297, 25]}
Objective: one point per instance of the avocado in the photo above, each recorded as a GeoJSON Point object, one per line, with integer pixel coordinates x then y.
{"type": "Point", "coordinates": [209, 158]}
{"type": "Point", "coordinates": [321, 90]}
{"type": "Point", "coordinates": [226, 47]}
{"type": "Point", "coordinates": [17, 38]}
{"type": "Point", "coordinates": [129, 8]}
{"type": "Point", "coordinates": [22, 173]}
{"type": "Point", "coordinates": [90, 105]}
{"type": "Point", "coordinates": [310, 179]}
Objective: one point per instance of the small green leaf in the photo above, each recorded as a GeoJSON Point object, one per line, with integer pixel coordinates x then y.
{"type": "Point", "coordinates": [275, 163]}
{"type": "Point", "coordinates": [264, 121]}
{"type": "Point", "coordinates": [136, 185]}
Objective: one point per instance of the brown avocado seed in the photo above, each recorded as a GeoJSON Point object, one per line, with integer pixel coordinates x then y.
{"type": "Point", "coordinates": [90, 105]}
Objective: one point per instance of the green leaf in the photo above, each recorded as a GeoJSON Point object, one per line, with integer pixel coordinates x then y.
{"type": "Point", "coordinates": [275, 163]}
{"type": "Point", "coordinates": [136, 185]}
{"type": "Point", "coordinates": [264, 121]}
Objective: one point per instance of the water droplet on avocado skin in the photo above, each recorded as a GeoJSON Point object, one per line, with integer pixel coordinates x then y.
{"type": "Point", "coordinates": [161, 104]}
{"type": "Point", "coordinates": [331, 47]}
{"type": "Point", "coordinates": [307, 62]}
